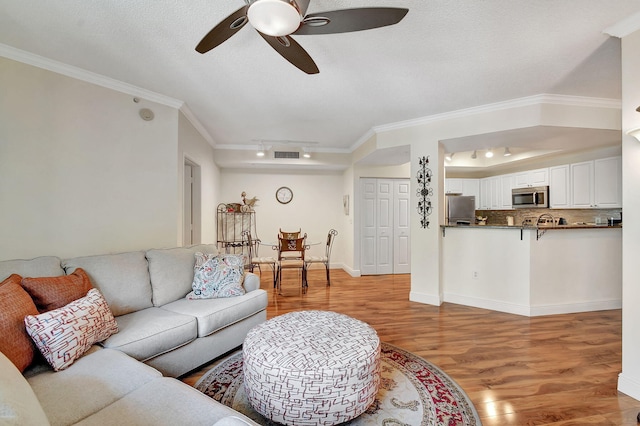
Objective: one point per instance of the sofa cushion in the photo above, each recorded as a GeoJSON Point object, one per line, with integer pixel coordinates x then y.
{"type": "Point", "coordinates": [50, 293]}
{"type": "Point", "coordinates": [15, 304]}
{"type": "Point", "coordinates": [217, 276]}
{"type": "Point", "coordinates": [150, 332]}
{"type": "Point", "coordinates": [18, 403]}
{"type": "Point", "coordinates": [65, 334]}
{"type": "Point", "coordinates": [123, 279]}
{"type": "Point", "coordinates": [171, 271]}
{"type": "Point", "coordinates": [93, 382]}
{"type": "Point", "coordinates": [46, 266]}
{"type": "Point", "coordinates": [215, 314]}
{"type": "Point", "coordinates": [164, 401]}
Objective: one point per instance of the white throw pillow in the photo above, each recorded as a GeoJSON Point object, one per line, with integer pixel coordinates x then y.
{"type": "Point", "coordinates": [217, 276]}
{"type": "Point", "coordinates": [65, 334]}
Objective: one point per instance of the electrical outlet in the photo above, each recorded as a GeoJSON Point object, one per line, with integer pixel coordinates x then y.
{"type": "Point", "coordinates": [475, 275]}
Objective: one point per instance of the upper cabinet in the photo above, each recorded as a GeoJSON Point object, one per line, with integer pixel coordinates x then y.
{"type": "Point", "coordinates": [538, 177]}
{"type": "Point", "coordinates": [607, 182]}
{"type": "Point", "coordinates": [463, 187]}
{"type": "Point", "coordinates": [589, 184]}
{"type": "Point", "coordinates": [559, 187]}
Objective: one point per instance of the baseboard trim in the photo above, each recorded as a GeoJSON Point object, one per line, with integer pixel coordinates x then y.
{"type": "Point", "coordinates": [427, 299]}
{"type": "Point", "coordinates": [628, 386]}
{"type": "Point", "coordinates": [533, 311]}
{"type": "Point", "coordinates": [571, 308]}
{"type": "Point", "coordinates": [493, 305]}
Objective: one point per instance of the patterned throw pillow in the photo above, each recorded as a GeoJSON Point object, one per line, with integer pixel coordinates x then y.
{"type": "Point", "coordinates": [65, 334]}
{"type": "Point", "coordinates": [15, 304]}
{"type": "Point", "coordinates": [217, 276]}
{"type": "Point", "coordinates": [50, 293]}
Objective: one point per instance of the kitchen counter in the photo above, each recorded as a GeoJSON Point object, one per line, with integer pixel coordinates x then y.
{"type": "Point", "coordinates": [529, 274]}
{"type": "Point", "coordinates": [545, 227]}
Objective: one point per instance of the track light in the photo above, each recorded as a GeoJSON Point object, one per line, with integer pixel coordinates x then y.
{"type": "Point", "coordinates": [305, 153]}
{"type": "Point", "coordinates": [489, 154]}
{"type": "Point", "coordinates": [474, 155]}
{"type": "Point", "coordinates": [506, 152]}
{"type": "Point", "coordinates": [448, 156]}
{"type": "Point", "coordinates": [260, 152]}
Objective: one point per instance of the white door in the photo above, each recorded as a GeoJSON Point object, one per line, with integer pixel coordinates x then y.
{"type": "Point", "coordinates": [368, 265]}
{"type": "Point", "coordinates": [384, 231]}
{"type": "Point", "coordinates": [384, 226]}
{"type": "Point", "coordinates": [401, 231]}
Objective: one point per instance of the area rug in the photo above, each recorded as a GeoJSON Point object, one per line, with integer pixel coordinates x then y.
{"type": "Point", "coordinates": [412, 392]}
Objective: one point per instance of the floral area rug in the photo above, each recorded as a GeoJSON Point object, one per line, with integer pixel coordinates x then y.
{"type": "Point", "coordinates": [412, 392]}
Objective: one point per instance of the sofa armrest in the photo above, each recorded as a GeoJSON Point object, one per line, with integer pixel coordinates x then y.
{"type": "Point", "coordinates": [251, 281]}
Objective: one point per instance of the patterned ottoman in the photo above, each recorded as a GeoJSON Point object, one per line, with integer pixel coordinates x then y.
{"type": "Point", "coordinates": [311, 368]}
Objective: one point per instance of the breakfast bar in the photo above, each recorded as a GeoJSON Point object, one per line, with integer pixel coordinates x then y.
{"type": "Point", "coordinates": [515, 269]}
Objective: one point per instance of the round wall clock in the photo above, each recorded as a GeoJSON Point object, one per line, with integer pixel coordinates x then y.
{"type": "Point", "coordinates": [284, 195]}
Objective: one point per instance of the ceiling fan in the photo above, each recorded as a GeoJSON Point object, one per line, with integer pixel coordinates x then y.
{"type": "Point", "coordinates": [277, 20]}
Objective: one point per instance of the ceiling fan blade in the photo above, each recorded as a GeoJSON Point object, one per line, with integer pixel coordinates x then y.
{"type": "Point", "coordinates": [349, 20]}
{"type": "Point", "coordinates": [225, 29]}
{"type": "Point", "coordinates": [292, 52]}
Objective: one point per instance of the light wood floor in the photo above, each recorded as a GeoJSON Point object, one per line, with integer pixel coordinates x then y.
{"type": "Point", "coordinates": [551, 370]}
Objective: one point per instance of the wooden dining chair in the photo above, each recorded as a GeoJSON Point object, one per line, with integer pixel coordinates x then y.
{"type": "Point", "coordinates": [291, 255]}
{"type": "Point", "coordinates": [325, 260]}
{"type": "Point", "coordinates": [290, 235]}
{"type": "Point", "coordinates": [253, 259]}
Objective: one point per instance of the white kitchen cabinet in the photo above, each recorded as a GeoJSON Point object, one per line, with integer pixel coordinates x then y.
{"type": "Point", "coordinates": [507, 182]}
{"type": "Point", "coordinates": [463, 186]}
{"type": "Point", "coordinates": [582, 184]}
{"type": "Point", "coordinates": [538, 177]}
{"type": "Point", "coordinates": [559, 187]}
{"type": "Point", "coordinates": [597, 184]}
{"type": "Point", "coordinates": [495, 185]}
{"type": "Point", "coordinates": [453, 186]}
{"type": "Point", "coordinates": [485, 194]}
{"type": "Point", "coordinates": [607, 182]}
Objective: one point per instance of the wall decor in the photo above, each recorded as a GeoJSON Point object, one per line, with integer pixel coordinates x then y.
{"type": "Point", "coordinates": [424, 191]}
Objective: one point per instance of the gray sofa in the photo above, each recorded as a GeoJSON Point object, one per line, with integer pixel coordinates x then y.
{"type": "Point", "coordinates": [160, 333]}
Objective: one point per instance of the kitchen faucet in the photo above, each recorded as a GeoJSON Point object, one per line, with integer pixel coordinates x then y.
{"type": "Point", "coordinates": [546, 216]}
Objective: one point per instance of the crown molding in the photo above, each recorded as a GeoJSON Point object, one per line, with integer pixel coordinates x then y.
{"type": "Point", "coordinates": [625, 27]}
{"type": "Point", "coordinates": [87, 76]}
{"type": "Point", "coordinates": [579, 101]}
{"type": "Point", "coordinates": [189, 115]}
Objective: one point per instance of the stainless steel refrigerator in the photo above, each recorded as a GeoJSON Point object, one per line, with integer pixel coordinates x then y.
{"type": "Point", "coordinates": [461, 210]}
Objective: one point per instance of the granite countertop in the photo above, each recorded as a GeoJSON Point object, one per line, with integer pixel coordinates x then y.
{"type": "Point", "coordinates": [569, 226]}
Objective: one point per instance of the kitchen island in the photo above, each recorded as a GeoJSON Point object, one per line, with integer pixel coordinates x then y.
{"type": "Point", "coordinates": [533, 271]}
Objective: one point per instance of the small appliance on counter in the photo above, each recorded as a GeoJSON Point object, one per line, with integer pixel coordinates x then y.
{"type": "Point", "coordinates": [461, 209]}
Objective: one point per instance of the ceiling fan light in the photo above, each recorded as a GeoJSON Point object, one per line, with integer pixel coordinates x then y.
{"type": "Point", "coordinates": [274, 17]}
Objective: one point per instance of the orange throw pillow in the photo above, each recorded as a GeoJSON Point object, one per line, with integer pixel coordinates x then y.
{"type": "Point", "coordinates": [50, 293]}
{"type": "Point", "coordinates": [15, 305]}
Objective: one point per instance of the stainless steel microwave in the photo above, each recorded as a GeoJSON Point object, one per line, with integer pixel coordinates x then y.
{"type": "Point", "coordinates": [531, 197]}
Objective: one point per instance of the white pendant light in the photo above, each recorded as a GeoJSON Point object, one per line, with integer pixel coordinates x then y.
{"type": "Point", "coordinates": [274, 17]}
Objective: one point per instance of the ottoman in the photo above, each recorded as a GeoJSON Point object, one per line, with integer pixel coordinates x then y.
{"type": "Point", "coordinates": [311, 368]}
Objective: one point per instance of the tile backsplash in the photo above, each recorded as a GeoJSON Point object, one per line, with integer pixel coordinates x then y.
{"type": "Point", "coordinates": [499, 217]}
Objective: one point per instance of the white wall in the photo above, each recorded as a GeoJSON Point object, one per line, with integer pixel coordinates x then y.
{"type": "Point", "coordinates": [193, 147]}
{"type": "Point", "coordinates": [629, 380]}
{"type": "Point", "coordinates": [80, 172]}
{"type": "Point", "coordinates": [316, 206]}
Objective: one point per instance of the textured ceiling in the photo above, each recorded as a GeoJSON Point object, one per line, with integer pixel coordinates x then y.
{"type": "Point", "coordinates": [444, 56]}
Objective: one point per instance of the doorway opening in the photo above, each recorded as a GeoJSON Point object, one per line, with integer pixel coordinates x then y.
{"type": "Point", "coordinates": [191, 214]}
